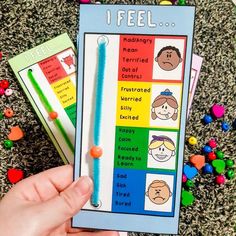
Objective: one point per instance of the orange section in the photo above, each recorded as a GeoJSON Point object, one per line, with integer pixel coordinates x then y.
{"type": "Point", "coordinates": [52, 69]}
{"type": "Point", "coordinates": [136, 58]}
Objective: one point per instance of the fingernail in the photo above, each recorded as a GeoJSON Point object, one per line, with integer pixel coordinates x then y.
{"type": "Point", "coordinates": [84, 185]}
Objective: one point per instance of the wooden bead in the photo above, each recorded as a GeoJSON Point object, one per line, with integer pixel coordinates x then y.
{"type": "Point", "coordinates": [211, 156]}
{"type": "Point", "coordinates": [53, 115]}
{"type": "Point", "coordinates": [4, 84]}
{"type": "Point", "coordinates": [189, 184]}
{"type": "Point", "coordinates": [8, 144]}
{"type": "Point", "coordinates": [220, 179]}
{"type": "Point", "coordinates": [229, 163]}
{"type": "Point", "coordinates": [96, 152]}
{"type": "Point", "coordinates": [230, 174]}
{"type": "Point", "coordinates": [220, 154]}
{"type": "Point", "coordinates": [8, 113]}
{"type": "Point", "coordinates": [212, 143]}
{"type": "Point", "coordinates": [192, 140]}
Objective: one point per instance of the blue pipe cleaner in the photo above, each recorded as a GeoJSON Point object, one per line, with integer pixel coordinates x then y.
{"type": "Point", "coordinates": [97, 119]}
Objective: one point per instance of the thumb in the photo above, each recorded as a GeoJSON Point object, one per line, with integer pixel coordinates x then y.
{"type": "Point", "coordinates": [59, 209]}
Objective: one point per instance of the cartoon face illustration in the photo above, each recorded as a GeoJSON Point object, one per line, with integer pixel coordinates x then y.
{"type": "Point", "coordinates": [165, 106]}
{"type": "Point", "coordinates": [68, 60]}
{"type": "Point", "coordinates": [165, 111]}
{"type": "Point", "coordinates": [159, 192]}
{"type": "Point", "coordinates": [161, 148]}
{"type": "Point", "coordinates": [168, 58]}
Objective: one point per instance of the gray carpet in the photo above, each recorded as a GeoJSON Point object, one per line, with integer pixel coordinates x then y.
{"type": "Point", "coordinates": [27, 23]}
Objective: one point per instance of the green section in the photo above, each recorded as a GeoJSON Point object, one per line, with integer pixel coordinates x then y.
{"type": "Point", "coordinates": [71, 112]}
{"type": "Point", "coordinates": [131, 148]}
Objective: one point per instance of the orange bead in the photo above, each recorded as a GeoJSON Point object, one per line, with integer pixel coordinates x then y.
{"type": "Point", "coordinates": [95, 152]}
{"type": "Point", "coordinates": [8, 112]}
{"type": "Point", "coordinates": [53, 115]}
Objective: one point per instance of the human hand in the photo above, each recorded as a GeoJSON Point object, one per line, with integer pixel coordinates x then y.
{"type": "Point", "coordinates": [43, 204]}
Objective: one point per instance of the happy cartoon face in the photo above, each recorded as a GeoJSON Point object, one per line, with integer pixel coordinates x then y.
{"type": "Point", "coordinates": [161, 153]}
{"type": "Point", "coordinates": [158, 192]}
{"type": "Point", "coordinates": [161, 148]}
{"type": "Point", "coordinates": [168, 58]}
{"type": "Point", "coordinates": [165, 111]}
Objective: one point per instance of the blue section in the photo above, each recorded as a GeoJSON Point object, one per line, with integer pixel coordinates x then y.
{"type": "Point", "coordinates": [128, 195]}
{"type": "Point", "coordinates": [130, 183]}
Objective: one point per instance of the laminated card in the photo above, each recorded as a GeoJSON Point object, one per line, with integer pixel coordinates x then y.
{"type": "Point", "coordinates": [133, 85]}
{"type": "Point", "coordinates": [47, 75]}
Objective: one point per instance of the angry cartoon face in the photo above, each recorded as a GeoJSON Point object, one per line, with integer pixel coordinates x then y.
{"type": "Point", "coordinates": [168, 58]}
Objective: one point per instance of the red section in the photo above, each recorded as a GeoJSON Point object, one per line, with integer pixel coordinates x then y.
{"type": "Point", "coordinates": [52, 69]}
{"type": "Point", "coordinates": [136, 58]}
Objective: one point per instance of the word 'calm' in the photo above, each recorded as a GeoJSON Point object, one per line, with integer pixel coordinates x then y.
{"type": "Point", "coordinates": [131, 18]}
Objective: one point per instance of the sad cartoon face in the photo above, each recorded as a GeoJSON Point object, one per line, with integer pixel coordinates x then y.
{"type": "Point", "coordinates": [168, 58]}
{"type": "Point", "coordinates": [159, 192]}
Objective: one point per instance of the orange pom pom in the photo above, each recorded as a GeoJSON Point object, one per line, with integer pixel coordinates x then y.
{"type": "Point", "coordinates": [95, 152]}
{"type": "Point", "coordinates": [53, 115]}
